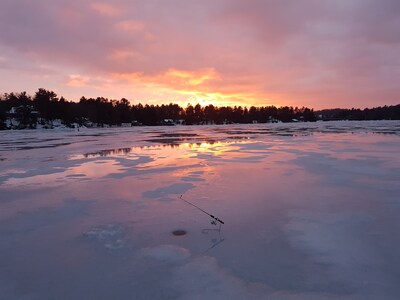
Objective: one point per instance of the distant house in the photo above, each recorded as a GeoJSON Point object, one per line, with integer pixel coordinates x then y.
{"type": "Point", "coordinates": [168, 122]}
{"type": "Point", "coordinates": [13, 111]}
{"type": "Point", "coordinates": [16, 109]}
{"type": "Point", "coordinates": [126, 124]}
{"type": "Point", "coordinates": [21, 117]}
{"type": "Point", "coordinates": [136, 123]}
{"type": "Point", "coordinates": [273, 120]}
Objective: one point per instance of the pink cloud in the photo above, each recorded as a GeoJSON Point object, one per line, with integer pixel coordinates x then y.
{"type": "Point", "coordinates": [130, 25]}
{"type": "Point", "coordinates": [75, 80]}
{"type": "Point", "coordinates": [106, 9]}
{"type": "Point", "coordinates": [313, 52]}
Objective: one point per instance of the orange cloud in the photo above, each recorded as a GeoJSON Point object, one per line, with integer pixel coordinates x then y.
{"type": "Point", "coordinates": [174, 78]}
{"type": "Point", "coordinates": [204, 86]}
{"type": "Point", "coordinates": [188, 78]}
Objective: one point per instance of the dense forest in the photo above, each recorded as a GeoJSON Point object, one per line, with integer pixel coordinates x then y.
{"type": "Point", "coordinates": [45, 107]}
{"type": "Point", "coordinates": [376, 113]}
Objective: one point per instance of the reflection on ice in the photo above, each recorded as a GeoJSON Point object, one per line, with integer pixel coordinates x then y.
{"type": "Point", "coordinates": [58, 176]}
{"type": "Point", "coordinates": [311, 212]}
{"type": "Point", "coordinates": [110, 152]}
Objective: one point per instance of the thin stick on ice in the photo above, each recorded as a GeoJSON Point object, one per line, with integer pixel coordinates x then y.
{"type": "Point", "coordinates": [215, 219]}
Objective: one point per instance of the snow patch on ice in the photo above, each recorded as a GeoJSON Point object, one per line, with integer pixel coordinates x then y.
{"type": "Point", "coordinates": [202, 278]}
{"type": "Point", "coordinates": [343, 242]}
{"type": "Point", "coordinates": [110, 236]}
{"type": "Point", "coordinates": [333, 238]}
{"type": "Point", "coordinates": [167, 253]}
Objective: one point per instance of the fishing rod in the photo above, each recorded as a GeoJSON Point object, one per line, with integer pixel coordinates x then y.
{"type": "Point", "coordinates": [214, 222]}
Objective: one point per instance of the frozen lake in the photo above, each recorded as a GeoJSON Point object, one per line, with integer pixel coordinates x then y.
{"type": "Point", "coordinates": [311, 211]}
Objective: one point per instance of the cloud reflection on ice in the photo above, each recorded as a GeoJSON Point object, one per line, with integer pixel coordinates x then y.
{"type": "Point", "coordinates": [311, 212]}
{"type": "Point", "coordinates": [57, 176]}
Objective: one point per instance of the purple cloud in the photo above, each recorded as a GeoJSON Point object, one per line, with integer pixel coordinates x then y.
{"type": "Point", "coordinates": [313, 52]}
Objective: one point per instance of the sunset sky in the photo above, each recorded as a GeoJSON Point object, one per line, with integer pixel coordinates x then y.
{"type": "Point", "coordinates": [315, 53]}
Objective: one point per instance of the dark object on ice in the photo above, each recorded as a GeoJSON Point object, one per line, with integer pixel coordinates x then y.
{"type": "Point", "coordinates": [179, 232]}
{"type": "Point", "coordinates": [215, 219]}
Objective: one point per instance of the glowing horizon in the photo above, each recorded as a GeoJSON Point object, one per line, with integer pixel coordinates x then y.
{"type": "Point", "coordinates": [317, 54]}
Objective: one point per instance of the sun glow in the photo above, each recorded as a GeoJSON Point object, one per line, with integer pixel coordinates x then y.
{"type": "Point", "coordinates": [202, 86]}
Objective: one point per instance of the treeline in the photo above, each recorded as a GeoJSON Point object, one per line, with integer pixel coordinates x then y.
{"type": "Point", "coordinates": [376, 113]}
{"type": "Point", "coordinates": [46, 106]}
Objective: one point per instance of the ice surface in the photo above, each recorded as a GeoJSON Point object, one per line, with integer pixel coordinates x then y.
{"type": "Point", "coordinates": [167, 253]}
{"type": "Point", "coordinates": [310, 210]}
